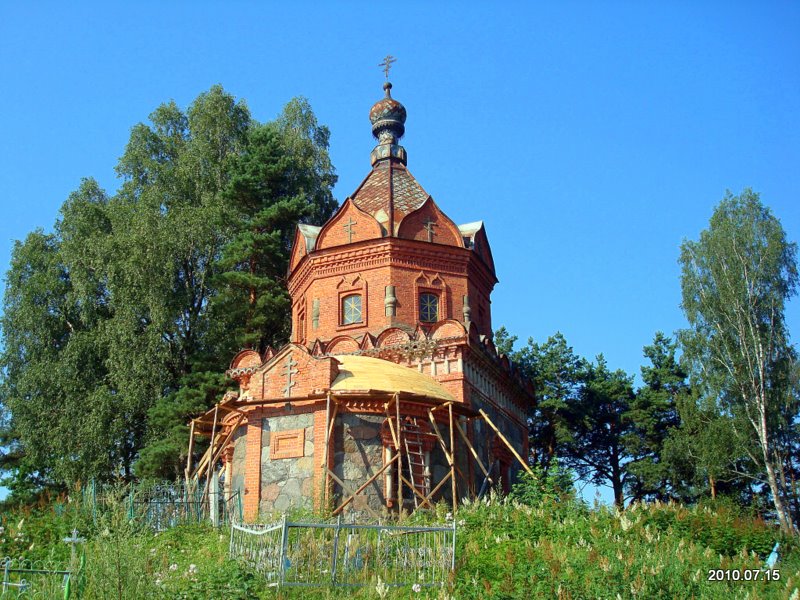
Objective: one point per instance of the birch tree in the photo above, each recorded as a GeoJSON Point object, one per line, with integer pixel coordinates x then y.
{"type": "Point", "coordinates": [735, 281]}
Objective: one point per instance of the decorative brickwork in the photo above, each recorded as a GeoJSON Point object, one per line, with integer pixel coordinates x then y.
{"type": "Point", "coordinates": [287, 444]}
{"type": "Point", "coordinates": [350, 224]}
{"type": "Point", "coordinates": [429, 224]}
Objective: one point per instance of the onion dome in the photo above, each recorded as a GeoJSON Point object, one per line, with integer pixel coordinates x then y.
{"type": "Point", "coordinates": [388, 118]}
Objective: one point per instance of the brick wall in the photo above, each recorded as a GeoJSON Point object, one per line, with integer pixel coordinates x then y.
{"type": "Point", "coordinates": [450, 280]}
{"type": "Point", "coordinates": [309, 375]}
{"type": "Point", "coordinates": [413, 227]}
{"type": "Point", "coordinates": [349, 225]}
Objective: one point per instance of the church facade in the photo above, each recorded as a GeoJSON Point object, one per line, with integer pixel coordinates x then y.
{"type": "Point", "coordinates": [390, 395]}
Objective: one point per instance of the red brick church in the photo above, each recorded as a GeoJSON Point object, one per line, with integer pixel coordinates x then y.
{"type": "Point", "coordinates": [390, 394]}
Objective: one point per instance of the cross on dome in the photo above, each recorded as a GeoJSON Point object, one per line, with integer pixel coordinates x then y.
{"type": "Point", "coordinates": [388, 118]}
{"type": "Point", "coordinates": [387, 64]}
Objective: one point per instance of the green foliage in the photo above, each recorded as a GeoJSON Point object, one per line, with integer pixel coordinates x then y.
{"type": "Point", "coordinates": [735, 281]}
{"type": "Point", "coordinates": [584, 414]}
{"type": "Point", "coordinates": [163, 457]}
{"type": "Point", "coordinates": [654, 417]}
{"type": "Point", "coordinates": [35, 532]}
{"type": "Point", "coordinates": [562, 549]}
{"type": "Point", "coordinates": [506, 548]}
{"type": "Point", "coordinates": [544, 486]}
{"type": "Point", "coordinates": [117, 326]}
{"type": "Point", "coordinates": [598, 419]}
{"type": "Point", "coordinates": [557, 374]}
{"type": "Point", "coordinates": [275, 184]}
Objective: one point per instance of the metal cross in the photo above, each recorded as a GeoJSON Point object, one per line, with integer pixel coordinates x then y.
{"type": "Point", "coordinates": [387, 64]}
{"type": "Point", "coordinates": [429, 225]}
{"type": "Point", "coordinates": [289, 371]}
{"type": "Point", "coordinates": [348, 227]}
{"type": "Point", "coordinates": [72, 541]}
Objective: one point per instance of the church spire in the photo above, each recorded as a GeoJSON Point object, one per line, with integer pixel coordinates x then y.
{"type": "Point", "coordinates": [388, 118]}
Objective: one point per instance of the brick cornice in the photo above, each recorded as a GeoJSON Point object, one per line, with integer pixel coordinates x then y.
{"type": "Point", "coordinates": [393, 252]}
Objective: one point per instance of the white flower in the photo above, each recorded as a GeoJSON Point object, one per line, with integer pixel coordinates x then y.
{"type": "Point", "coordinates": [448, 517]}
{"type": "Point", "coordinates": [152, 550]}
{"type": "Point", "coordinates": [173, 567]}
{"type": "Point", "coordinates": [192, 569]}
{"type": "Point", "coordinates": [381, 588]}
{"type": "Point", "coordinates": [461, 522]}
{"type": "Point", "coordinates": [625, 523]}
{"type": "Point", "coordinates": [417, 588]}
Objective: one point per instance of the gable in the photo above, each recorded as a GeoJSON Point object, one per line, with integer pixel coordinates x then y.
{"type": "Point", "coordinates": [429, 224]}
{"type": "Point", "coordinates": [293, 373]}
{"type": "Point", "coordinates": [349, 225]}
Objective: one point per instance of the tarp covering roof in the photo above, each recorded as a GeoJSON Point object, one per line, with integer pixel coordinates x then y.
{"type": "Point", "coordinates": [358, 373]}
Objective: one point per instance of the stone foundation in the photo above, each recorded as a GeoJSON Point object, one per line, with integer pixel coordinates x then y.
{"type": "Point", "coordinates": [358, 455]}
{"type": "Point", "coordinates": [238, 464]}
{"type": "Point", "coordinates": [287, 483]}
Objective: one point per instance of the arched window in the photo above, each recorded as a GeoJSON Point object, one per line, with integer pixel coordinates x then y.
{"type": "Point", "coordinates": [351, 309]}
{"type": "Point", "coordinates": [428, 308]}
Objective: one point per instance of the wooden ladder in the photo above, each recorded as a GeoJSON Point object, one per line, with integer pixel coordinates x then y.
{"type": "Point", "coordinates": [418, 471]}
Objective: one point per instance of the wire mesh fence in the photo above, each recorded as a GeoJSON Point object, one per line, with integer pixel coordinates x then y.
{"type": "Point", "coordinates": [346, 554]}
{"type": "Point", "coordinates": [24, 578]}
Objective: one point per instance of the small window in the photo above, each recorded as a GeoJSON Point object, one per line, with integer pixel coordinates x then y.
{"type": "Point", "coordinates": [351, 309]}
{"type": "Point", "coordinates": [428, 308]}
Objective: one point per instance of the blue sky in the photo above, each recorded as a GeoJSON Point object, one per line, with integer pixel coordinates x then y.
{"type": "Point", "coordinates": [591, 138]}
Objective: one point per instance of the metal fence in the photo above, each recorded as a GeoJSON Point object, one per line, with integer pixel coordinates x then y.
{"type": "Point", "coordinates": [163, 506]}
{"type": "Point", "coordinates": [33, 579]}
{"type": "Point", "coordinates": [346, 554]}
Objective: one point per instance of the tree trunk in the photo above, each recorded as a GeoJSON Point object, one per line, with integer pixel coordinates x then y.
{"type": "Point", "coordinates": [777, 499]}
{"type": "Point", "coordinates": [619, 498]}
{"type": "Point", "coordinates": [795, 495]}
{"type": "Point", "coordinates": [712, 483]}
{"type": "Point", "coordinates": [616, 484]}
{"type": "Point", "coordinates": [252, 294]}
{"type": "Point", "coordinates": [784, 518]}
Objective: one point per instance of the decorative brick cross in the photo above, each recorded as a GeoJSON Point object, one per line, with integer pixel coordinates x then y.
{"type": "Point", "coordinates": [429, 225]}
{"type": "Point", "coordinates": [348, 227]}
{"type": "Point", "coordinates": [289, 371]}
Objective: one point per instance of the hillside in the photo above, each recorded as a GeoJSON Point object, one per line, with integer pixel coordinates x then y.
{"type": "Point", "coordinates": [532, 545]}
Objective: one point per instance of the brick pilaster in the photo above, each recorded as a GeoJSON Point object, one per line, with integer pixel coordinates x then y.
{"type": "Point", "coordinates": [319, 452]}
{"type": "Point", "coordinates": [252, 470]}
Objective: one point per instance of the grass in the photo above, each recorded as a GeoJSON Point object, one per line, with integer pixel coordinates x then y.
{"type": "Point", "coordinates": [530, 546]}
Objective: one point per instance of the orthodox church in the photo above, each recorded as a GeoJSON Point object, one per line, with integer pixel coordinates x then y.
{"type": "Point", "coordinates": [390, 395]}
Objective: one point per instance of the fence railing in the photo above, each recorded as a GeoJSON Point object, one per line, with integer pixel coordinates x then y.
{"type": "Point", "coordinates": [346, 554]}
{"type": "Point", "coordinates": [33, 579]}
{"type": "Point", "coordinates": [165, 505]}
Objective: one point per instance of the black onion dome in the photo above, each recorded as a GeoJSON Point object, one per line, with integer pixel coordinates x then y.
{"type": "Point", "coordinates": [388, 115]}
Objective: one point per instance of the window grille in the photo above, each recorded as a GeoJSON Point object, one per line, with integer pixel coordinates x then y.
{"type": "Point", "coordinates": [351, 309]}
{"type": "Point", "coordinates": [428, 308]}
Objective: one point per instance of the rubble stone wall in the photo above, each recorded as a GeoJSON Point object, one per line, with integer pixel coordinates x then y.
{"type": "Point", "coordinates": [287, 483]}
{"type": "Point", "coordinates": [358, 455]}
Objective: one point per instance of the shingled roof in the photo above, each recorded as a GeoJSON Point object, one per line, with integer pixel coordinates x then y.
{"type": "Point", "coordinates": [389, 184]}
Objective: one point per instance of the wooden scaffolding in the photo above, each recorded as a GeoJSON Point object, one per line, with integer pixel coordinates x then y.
{"type": "Point", "coordinates": [405, 432]}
